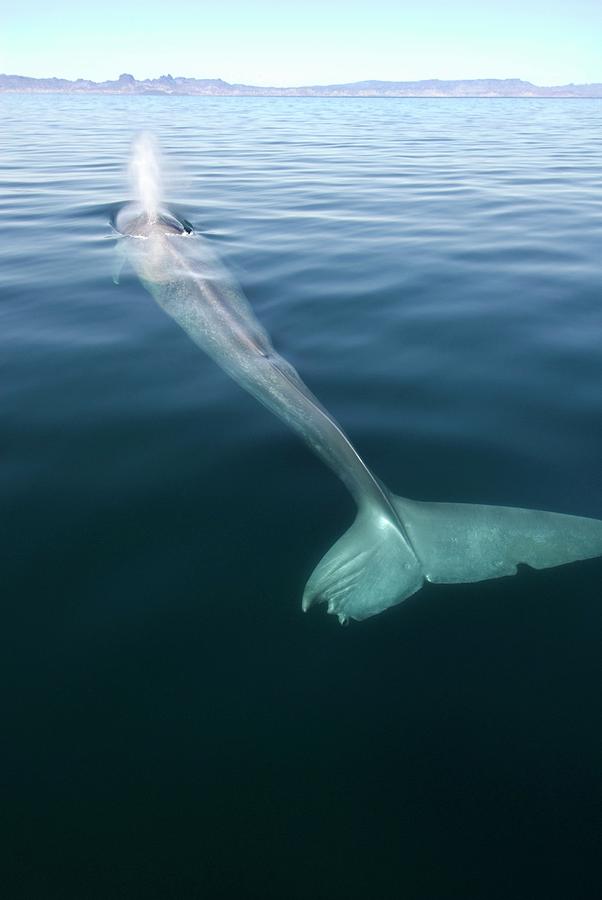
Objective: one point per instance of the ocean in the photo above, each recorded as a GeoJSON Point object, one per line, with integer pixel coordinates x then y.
{"type": "Point", "coordinates": [173, 725]}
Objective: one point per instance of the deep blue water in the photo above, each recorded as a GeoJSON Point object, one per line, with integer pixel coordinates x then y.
{"type": "Point", "coordinates": [173, 725]}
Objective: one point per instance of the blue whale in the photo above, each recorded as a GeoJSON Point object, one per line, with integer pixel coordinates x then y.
{"type": "Point", "coordinates": [394, 544]}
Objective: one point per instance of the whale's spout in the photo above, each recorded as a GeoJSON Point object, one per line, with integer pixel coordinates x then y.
{"type": "Point", "coordinates": [145, 175]}
{"type": "Point", "coordinates": [145, 215]}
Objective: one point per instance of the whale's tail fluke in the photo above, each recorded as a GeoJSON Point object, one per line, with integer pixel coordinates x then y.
{"type": "Point", "coordinates": [372, 566]}
{"type": "Point", "coordinates": [462, 542]}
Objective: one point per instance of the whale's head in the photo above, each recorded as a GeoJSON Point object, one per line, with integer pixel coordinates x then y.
{"type": "Point", "coordinates": [146, 241]}
{"type": "Point", "coordinates": [131, 221]}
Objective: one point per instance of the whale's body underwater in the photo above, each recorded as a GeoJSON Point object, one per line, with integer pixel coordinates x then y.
{"type": "Point", "coordinates": [394, 544]}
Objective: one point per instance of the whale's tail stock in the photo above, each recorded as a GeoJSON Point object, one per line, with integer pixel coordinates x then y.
{"type": "Point", "coordinates": [376, 564]}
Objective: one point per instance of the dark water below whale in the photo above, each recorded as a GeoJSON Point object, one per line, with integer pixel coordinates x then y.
{"type": "Point", "coordinates": [173, 725]}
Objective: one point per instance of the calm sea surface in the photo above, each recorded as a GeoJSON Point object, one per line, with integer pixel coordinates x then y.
{"type": "Point", "coordinates": [172, 725]}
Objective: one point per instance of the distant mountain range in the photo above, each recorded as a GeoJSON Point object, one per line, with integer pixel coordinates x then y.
{"type": "Point", "coordinates": [215, 87]}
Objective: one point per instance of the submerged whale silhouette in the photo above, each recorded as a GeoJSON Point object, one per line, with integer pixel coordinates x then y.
{"type": "Point", "coordinates": [394, 544]}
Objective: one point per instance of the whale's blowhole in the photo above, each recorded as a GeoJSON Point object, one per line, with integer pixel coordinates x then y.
{"type": "Point", "coordinates": [132, 222]}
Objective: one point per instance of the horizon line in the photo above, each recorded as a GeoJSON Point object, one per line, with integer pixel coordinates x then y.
{"type": "Point", "coordinates": [168, 77]}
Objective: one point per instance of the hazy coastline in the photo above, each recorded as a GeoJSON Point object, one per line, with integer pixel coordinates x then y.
{"type": "Point", "coordinates": [168, 85]}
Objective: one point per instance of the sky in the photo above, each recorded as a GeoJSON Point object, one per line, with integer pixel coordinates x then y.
{"type": "Point", "coordinates": [299, 43]}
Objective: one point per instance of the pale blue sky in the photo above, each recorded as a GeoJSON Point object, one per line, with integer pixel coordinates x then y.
{"type": "Point", "coordinates": [309, 42]}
